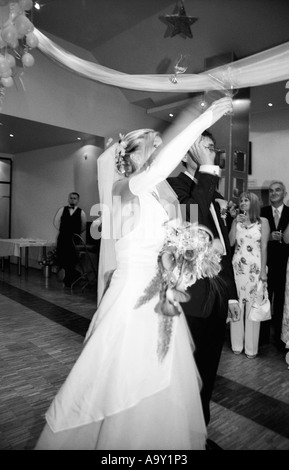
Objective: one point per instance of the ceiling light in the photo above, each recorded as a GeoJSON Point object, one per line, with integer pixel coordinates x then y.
{"type": "Point", "coordinates": [270, 104]}
{"type": "Point", "coordinates": [11, 135]}
{"type": "Point", "coordinates": [78, 138]}
{"type": "Point", "coordinates": [171, 115]}
{"type": "Point", "coordinates": [37, 6]}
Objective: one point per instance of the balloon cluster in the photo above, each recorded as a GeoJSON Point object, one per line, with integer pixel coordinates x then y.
{"type": "Point", "coordinates": [16, 39]}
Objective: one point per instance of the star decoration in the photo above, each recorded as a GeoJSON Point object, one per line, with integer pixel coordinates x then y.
{"type": "Point", "coordinates": [178, 23]}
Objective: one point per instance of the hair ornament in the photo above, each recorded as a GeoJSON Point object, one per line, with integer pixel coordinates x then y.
{"type": "Point", "coordinates": [109, 141]}
{"type": "Point", "coordinates": [122, 159]}
{"type": "Point", "coordinates": [122, 144]}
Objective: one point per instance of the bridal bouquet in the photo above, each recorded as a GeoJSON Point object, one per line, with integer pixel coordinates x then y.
{"type": "Point", "coordinates": [189, 253]}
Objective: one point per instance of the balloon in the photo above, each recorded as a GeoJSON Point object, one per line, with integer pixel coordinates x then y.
{"type": "Point", "coordinates": [4, 65]}
{"type": "Point", "coordinates": [20, 35]}
{"type": "Point", "coordinates": [15, 10]}
{"type": "Point", "coordinates": [2, 42]}
{"type": "Point", "coordinates": [23, 24]}
{"type": "Point", "coordinates": [6, 74]}
{"type": "Point", "coordinates": [7, 82]}
{"type": "Point", "coordinates": [27, 59]}
{"type": "Point", "coordinates": [9, 34]}
{"type": "Point", "coordinates": [14, 44]}
{"type": "Point", "coordinates": [32, 40]}
{"type": "Point", "coordinates": [26, 4]}
{"type": "Point", "coordinates": [10, 59]}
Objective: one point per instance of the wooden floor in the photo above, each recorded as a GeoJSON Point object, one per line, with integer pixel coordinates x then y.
{"type": "Point", "coordinates": [42, 326]}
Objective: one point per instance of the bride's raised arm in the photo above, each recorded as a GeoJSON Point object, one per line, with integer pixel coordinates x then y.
{"type": "Point", "coordinates": [176, 142]}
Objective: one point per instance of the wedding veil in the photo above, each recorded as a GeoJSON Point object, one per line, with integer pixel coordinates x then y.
{"type": "Point", "coordinates": [107, 176]}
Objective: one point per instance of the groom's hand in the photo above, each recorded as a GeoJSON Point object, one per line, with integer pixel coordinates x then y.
{"type": "Point", "coordinates": [200, 154]}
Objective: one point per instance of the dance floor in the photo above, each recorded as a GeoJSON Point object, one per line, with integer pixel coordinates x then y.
{"type": "Point", "coordinates": [42, 326]}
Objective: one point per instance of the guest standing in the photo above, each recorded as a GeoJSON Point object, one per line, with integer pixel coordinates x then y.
{"type": "Point", "coordinates": [277, 214]}
{"type": "Point", "coordinates": [249, 235]}
{"type": "Point", "coordinates": [69, 220]}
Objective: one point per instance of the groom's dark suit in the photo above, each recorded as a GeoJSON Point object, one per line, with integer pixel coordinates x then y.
{"type": "Point", "coordinates": [277, 257]}
{"type": "Point", "coordinates": [207, 310]}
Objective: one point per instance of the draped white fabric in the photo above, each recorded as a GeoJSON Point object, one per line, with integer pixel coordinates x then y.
{"type": "Point", "coordinates": [259, 69]}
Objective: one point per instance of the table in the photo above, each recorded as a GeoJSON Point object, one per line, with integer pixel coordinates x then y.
{"type": "Point", "coordinates": [14, 247]}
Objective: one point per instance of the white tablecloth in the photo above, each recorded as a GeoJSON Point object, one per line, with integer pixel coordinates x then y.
{"type": "Point", "coordinates": [11, 246]}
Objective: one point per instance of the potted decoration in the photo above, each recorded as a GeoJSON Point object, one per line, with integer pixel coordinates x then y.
{"type": "Point", "coordinates": [47, 262]}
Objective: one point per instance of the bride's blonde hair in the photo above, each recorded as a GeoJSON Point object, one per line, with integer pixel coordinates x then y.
{"type": "Point", "coordinates": [134, 149]}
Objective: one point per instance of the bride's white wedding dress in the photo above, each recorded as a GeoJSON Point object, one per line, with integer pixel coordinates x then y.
{"type": "Point", "coordinates": [122, 393]}
{"type": "Point", "coordinates": [135, 385]}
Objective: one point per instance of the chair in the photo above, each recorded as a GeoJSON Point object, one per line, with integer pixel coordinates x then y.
{"type": "Point", "coordinates": [85, 263]}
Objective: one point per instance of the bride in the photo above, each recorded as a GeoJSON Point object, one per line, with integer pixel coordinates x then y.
{"type": "Point", "coordinates": [135, 385]}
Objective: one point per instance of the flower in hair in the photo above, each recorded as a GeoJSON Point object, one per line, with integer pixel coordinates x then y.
{"type": "Point", "coordinates": [110, 140]}
{"type": "Point", "coordinates": [122, 159]}
{"type": "Point", "coordinates": [122, 144]}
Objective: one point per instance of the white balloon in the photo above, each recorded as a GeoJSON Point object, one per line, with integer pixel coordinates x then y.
{"type": "Point", "coordinates": [32, 40]}
{"type": "Point", "coordinates": [7, 82]}
{"type": "Point", "coordinates": [26, 4]}
{"type": "Point", "coordinates": [9, 34]}
{"type": "Point", "coordinates": [27, 59]}
{"type": "Point", "coordinates": [4, 65]}
{"type": "Point", "coordinates": [10, 59]}
{"type": "Point", "coordinates": [23, 24]}
{"type": "Point", "coordinates": [7, 73]}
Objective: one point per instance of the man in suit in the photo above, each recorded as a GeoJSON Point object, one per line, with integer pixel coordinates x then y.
{"type": "Point", "coordinates": [277, 214]}
{"type": "Point", "coordinates": [212, 301]}
{"type": "Point", "coordinates": [69, 220]}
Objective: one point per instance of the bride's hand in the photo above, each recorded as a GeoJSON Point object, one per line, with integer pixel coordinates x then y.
{"type": "Point", "coordinates": [220, 107]}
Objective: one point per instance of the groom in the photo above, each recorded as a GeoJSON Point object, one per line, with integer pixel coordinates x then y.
{"type": "Point", "coordinates": [212, 301]}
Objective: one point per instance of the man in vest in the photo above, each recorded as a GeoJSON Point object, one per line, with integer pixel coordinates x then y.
{"type": "Point", "coordinates": [69, 220]}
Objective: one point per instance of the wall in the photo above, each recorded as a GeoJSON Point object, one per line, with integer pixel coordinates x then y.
{"type": "Point", "coordinates": [269, 134]}
{"type": "Point", "coordinates": [42, 180]}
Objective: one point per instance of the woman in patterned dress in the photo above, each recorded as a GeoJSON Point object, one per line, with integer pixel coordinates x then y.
{"type": "Point", "coordinates": [249, 234]}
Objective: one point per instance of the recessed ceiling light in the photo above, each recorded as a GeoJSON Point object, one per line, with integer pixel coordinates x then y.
{"type": "Point", "coordinates": [171, 115]}
{"type": "Point", "coordinates": [37, 6]}
{"type": "Point", "coordinates": [270, 104]}
{"type": "Point", "coordinates": [202, 103]}
{"type": "Point", "coordinates": [11, 135]}
{"type": "Point", "coordinates": [78, 138]}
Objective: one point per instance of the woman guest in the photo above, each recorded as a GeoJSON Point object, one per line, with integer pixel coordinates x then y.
{"type": "Point", "coordinates": [249, 235]}
{"type": "Point", "coordinates": [135, 384]}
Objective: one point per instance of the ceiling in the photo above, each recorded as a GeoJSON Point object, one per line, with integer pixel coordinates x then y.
{"type": "Point", "coordinates": [129, 36]}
